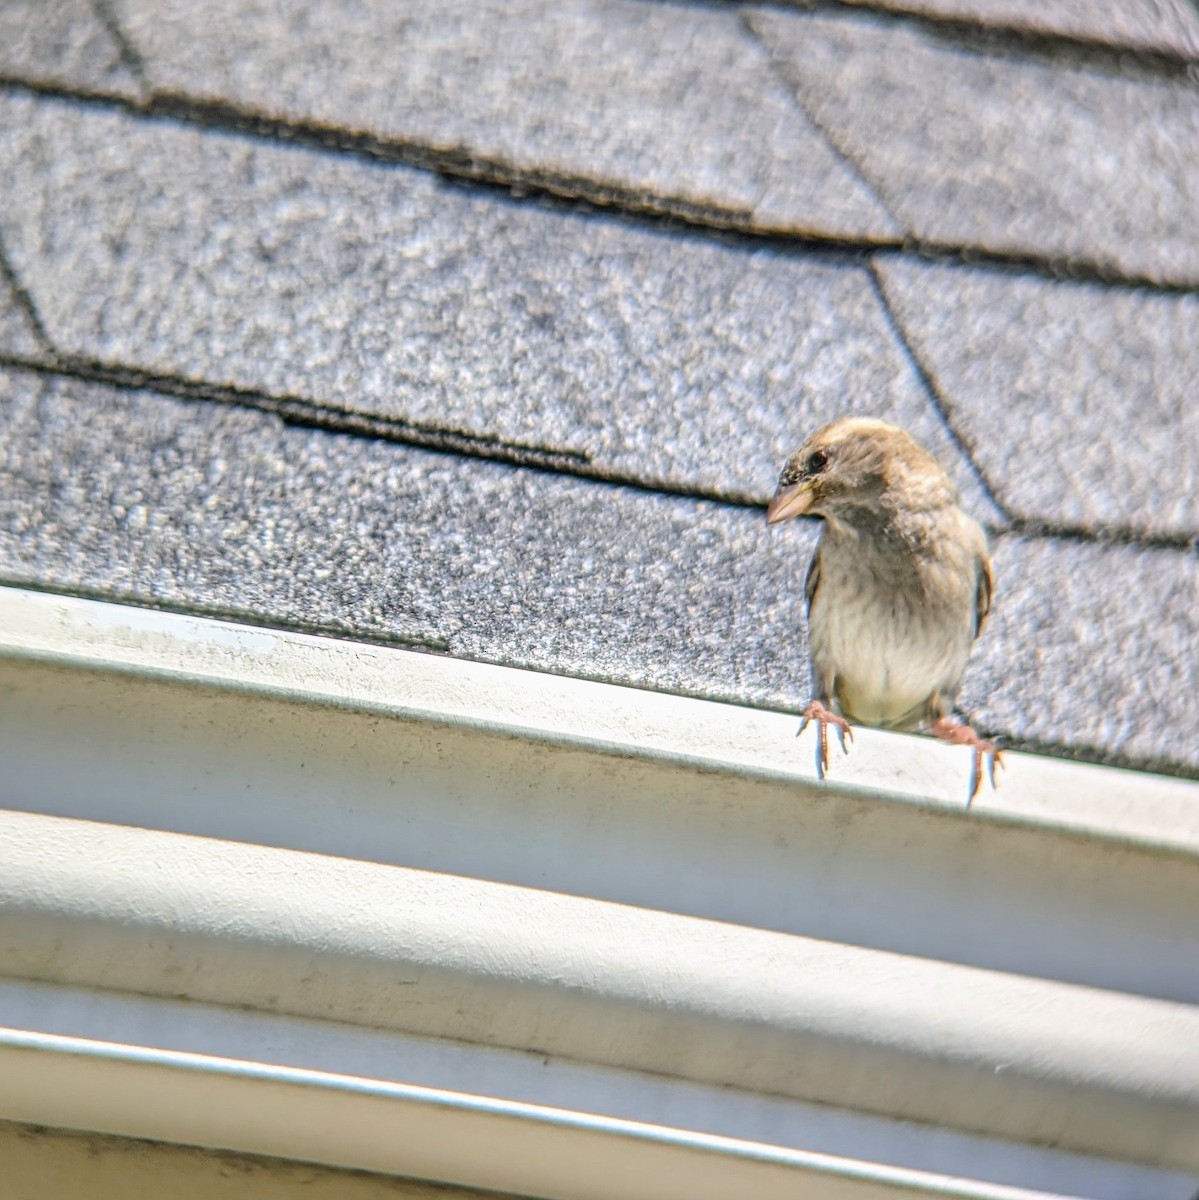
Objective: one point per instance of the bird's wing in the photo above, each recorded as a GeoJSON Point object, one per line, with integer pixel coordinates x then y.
{"type": "Point", "coordinates": [984, 587]}
{"type": "Point", "coordinates": [813, 580]}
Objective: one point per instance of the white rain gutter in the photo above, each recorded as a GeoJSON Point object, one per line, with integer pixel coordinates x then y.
{"type": "Point", "coordinates": [442, 956]}
{"type": "Point", "coordinates": [648, 884]}
{"type": "Point", "coordinates": [389, 1128]}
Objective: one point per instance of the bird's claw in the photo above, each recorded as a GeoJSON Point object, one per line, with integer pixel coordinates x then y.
{"type": "Point", "coordinates": [988, 751]}
{"type": "Point", "coordinates": [962, 735]}
{"type": "Point", "coordinates": [824, 718]}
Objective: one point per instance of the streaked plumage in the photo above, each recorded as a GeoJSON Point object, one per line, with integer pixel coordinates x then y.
{"type": "Point", "coordinates": [898, 588]}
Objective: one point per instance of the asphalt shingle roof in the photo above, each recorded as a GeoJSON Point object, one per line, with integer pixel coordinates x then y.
{"type": "Point", "coordinates": [649, 102]}
{"type": "Point", "coordinates": [299, 323]}
{"type": "Point", "coordinates": [1024, 157]}
{"type": "Point", "coordinates": [62, 42]}
{"type": "Point", "coordinates": [659, 356]}
{"type": "Point", "coordinates": [16, 334]}
{"type": "Point", "coordinates": [1164, 26]}
{"type": "Point", "coordinates": [1079, 398]}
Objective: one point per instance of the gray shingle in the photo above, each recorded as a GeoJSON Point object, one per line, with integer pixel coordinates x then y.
{"type": "Point", "coordinates": [137, 496]}
{"type": "Point", "coordinates": [16, 337]}
{"type": "Point", "coordinates": [666, 356]}
{"type": "Point", "coordinates": [219, 509]}
{"type": "Point", "coordinates": [1079, 400]}
{"type": "Point", "coordinates": [61, 42]}
{"type": "Point", "coordinates": [1165, 26]}
{"type": "Point", "coordinates": [1092, 647]}
{"type": "Point", "coordinates": [648, 98]}
{"type": "Point", "coordinates": [1014, 156]}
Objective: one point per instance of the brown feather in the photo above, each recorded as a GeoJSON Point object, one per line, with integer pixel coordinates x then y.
{"type": "Point", "coordinates": [812, 582]}
{"type": "Point", "coordinates": [982, 599]}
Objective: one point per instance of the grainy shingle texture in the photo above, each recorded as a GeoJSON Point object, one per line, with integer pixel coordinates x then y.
{"type": "Point", "coordinates": [660, 356]}
{"type": "Point", "coordinates": [186, 503]}
{"type": "Point", "coordinates": [1162, 26]}
{"type": "Point", "coordinates": [314, 361]}
{"type": "Point", "coordinates": [16, 336]}
{"type": "Point", "coordinates": [61, 42]}
{"type": "Point", "coordinates": [1023, 157]}
{"type": "Point", "coordinates": [652, 99]}
{"type": "Point", "coordinates": [1087, 649]}
{"type": "Point", "coordinates": [1080, 399]}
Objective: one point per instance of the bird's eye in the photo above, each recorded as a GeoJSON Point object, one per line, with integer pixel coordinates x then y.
{"type": "Point", "coordinates": [816, 463]}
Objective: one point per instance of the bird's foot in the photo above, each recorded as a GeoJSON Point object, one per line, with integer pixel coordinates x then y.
{"type": "Point", "coordinates": [960, 734]}
{"type": "Point", "coordinates": [824, 718]}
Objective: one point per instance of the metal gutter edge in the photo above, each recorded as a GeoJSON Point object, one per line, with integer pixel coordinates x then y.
{"type": "Point", "coordinates": [129, 716]}
{"type": "Point", "coordinates": [344, 1121]}
{"type": "Point", "coordinates": [564, 711]}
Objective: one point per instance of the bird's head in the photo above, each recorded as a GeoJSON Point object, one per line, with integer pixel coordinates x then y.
{"type": "Point", "coordinates": [857, 468]}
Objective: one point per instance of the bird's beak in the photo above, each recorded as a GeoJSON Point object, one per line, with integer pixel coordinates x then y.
{"type": "Point", "coordinates": [789, 502]}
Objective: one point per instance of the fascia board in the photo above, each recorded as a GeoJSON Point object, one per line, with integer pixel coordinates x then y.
{"type": "Point", "coordinates": [388, 947]}
{"type": "Point", "coordinates": [547, 1082]}
{"type": "Point", "coordinates": [424, 1133]}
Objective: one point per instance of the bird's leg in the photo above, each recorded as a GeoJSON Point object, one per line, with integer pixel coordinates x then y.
{"type": "Point", "coordinates": [960, 734]}
{"type": "Point", "coordinates": [824, 717]}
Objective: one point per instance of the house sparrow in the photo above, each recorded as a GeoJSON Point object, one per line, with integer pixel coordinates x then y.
{"type": "Point", "coordinates": [897, 590]}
